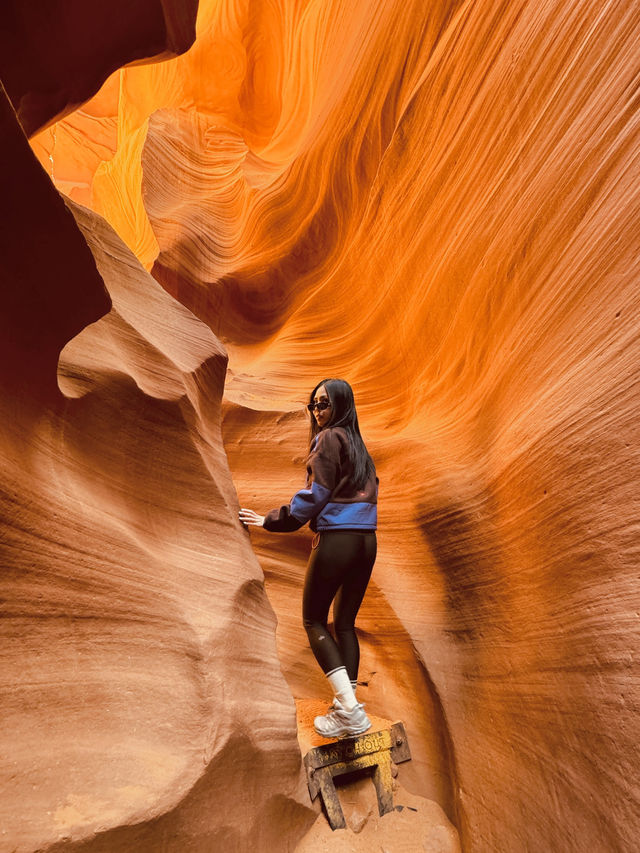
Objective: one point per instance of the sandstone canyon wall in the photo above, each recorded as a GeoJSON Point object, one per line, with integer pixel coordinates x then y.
{"type": "Point", "coordinates": [142, 703]}
{"type": "Point", "coordinates": [438, 202]}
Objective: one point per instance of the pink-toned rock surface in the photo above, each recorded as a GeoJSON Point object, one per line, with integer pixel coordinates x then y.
{"type": "Point", "coordinates": [440, 204]}
{"type": "Point", "coordinates": [143, 706]}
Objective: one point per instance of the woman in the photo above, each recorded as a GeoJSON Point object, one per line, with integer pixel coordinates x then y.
{"type": "Point", "coordinates": [340, 502]}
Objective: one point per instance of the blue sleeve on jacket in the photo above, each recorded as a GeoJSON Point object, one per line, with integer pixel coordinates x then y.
{"type": "Point", "coordinates": [304, 506]}
{"type": "Point", "coordinates": [307, 503]}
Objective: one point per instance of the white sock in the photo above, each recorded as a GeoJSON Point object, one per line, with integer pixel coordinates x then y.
{"type": "Point", "coordinates": [354, 685]}
{"type": "Point", "coordinates": [344, 693]}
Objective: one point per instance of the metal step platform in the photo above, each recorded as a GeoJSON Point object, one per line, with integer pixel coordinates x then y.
{"type": "Point", "coordinates": [375, 753]}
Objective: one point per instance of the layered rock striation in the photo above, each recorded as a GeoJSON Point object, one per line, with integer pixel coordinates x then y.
{"type": "Point", "coordinates": [143, 705]}
{"type": "Point", "coordinates": [439, 204]}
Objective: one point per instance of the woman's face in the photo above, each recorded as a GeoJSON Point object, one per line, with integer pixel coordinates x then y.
{"type": "Point", "coordinates": [322, 417]}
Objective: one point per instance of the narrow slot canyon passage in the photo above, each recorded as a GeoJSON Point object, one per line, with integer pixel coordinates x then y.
{"type": "Point", "coordinates": [207, 211]}
{"type": "Point", "coordinates": [264, 449]}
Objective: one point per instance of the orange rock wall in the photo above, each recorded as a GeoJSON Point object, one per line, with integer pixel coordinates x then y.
{"type": "Point", "coordinates": [440, 204]}
{"type": "Point", "coordinates": [142, 702]}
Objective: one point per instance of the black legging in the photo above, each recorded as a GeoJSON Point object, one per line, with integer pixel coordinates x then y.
{"type": "Point", "coordinates": [339, 567]}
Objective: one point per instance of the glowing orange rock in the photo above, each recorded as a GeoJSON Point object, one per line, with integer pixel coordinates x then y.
{"type": "Point", "coordinates": [129, 589]}
{"type": "Point", "coordinates": [457, 238]}
{"type": "Point", "coordinates": [439, 204]}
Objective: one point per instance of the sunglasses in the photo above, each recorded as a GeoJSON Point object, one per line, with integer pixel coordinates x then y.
{"type": "Point", "coordinates": [321, 406]}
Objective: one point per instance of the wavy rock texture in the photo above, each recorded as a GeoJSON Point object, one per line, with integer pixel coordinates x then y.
{"type": "Point", "coordinates": [143, 706]}
{"type": "Point", "coordinates": [440, 204]}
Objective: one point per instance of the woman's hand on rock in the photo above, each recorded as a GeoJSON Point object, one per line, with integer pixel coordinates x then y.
{"type": "Point", "coordinates": [250, 517]}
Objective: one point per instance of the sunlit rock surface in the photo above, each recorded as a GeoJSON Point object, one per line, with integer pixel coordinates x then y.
{"type": "Point", "coordinates": [438, 202]}
{"type": "Point", "coordinates": [143, 705]}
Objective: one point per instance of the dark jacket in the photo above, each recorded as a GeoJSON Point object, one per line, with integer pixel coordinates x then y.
{"type": "Point", "coordinates": [329, 501]}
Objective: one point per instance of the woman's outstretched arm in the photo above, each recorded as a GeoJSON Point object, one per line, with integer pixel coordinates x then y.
{"type": "Point", "coordinates": [322, 467]}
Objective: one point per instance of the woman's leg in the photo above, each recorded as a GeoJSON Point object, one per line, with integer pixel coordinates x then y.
{"type": "Point", "coordinates": [348, 601]}
{"type": "Point", "coordinates": [329, 564]}
{"type": "Point", "coordinates": [338, 555]}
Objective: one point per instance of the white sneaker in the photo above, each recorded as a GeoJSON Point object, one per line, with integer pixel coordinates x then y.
{"type": "Point", "coordinates": [338, 722]}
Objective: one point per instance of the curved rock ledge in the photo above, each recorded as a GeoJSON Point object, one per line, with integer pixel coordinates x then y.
{"type": "Point", "coordinates": [143, 704]}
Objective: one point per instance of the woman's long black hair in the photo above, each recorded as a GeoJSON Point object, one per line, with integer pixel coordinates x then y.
{"type": "Point", "coordinates": [343, 414]}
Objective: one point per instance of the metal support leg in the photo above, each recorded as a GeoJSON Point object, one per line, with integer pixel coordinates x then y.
{"type": "Point", "coordinates": [383, 780]}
